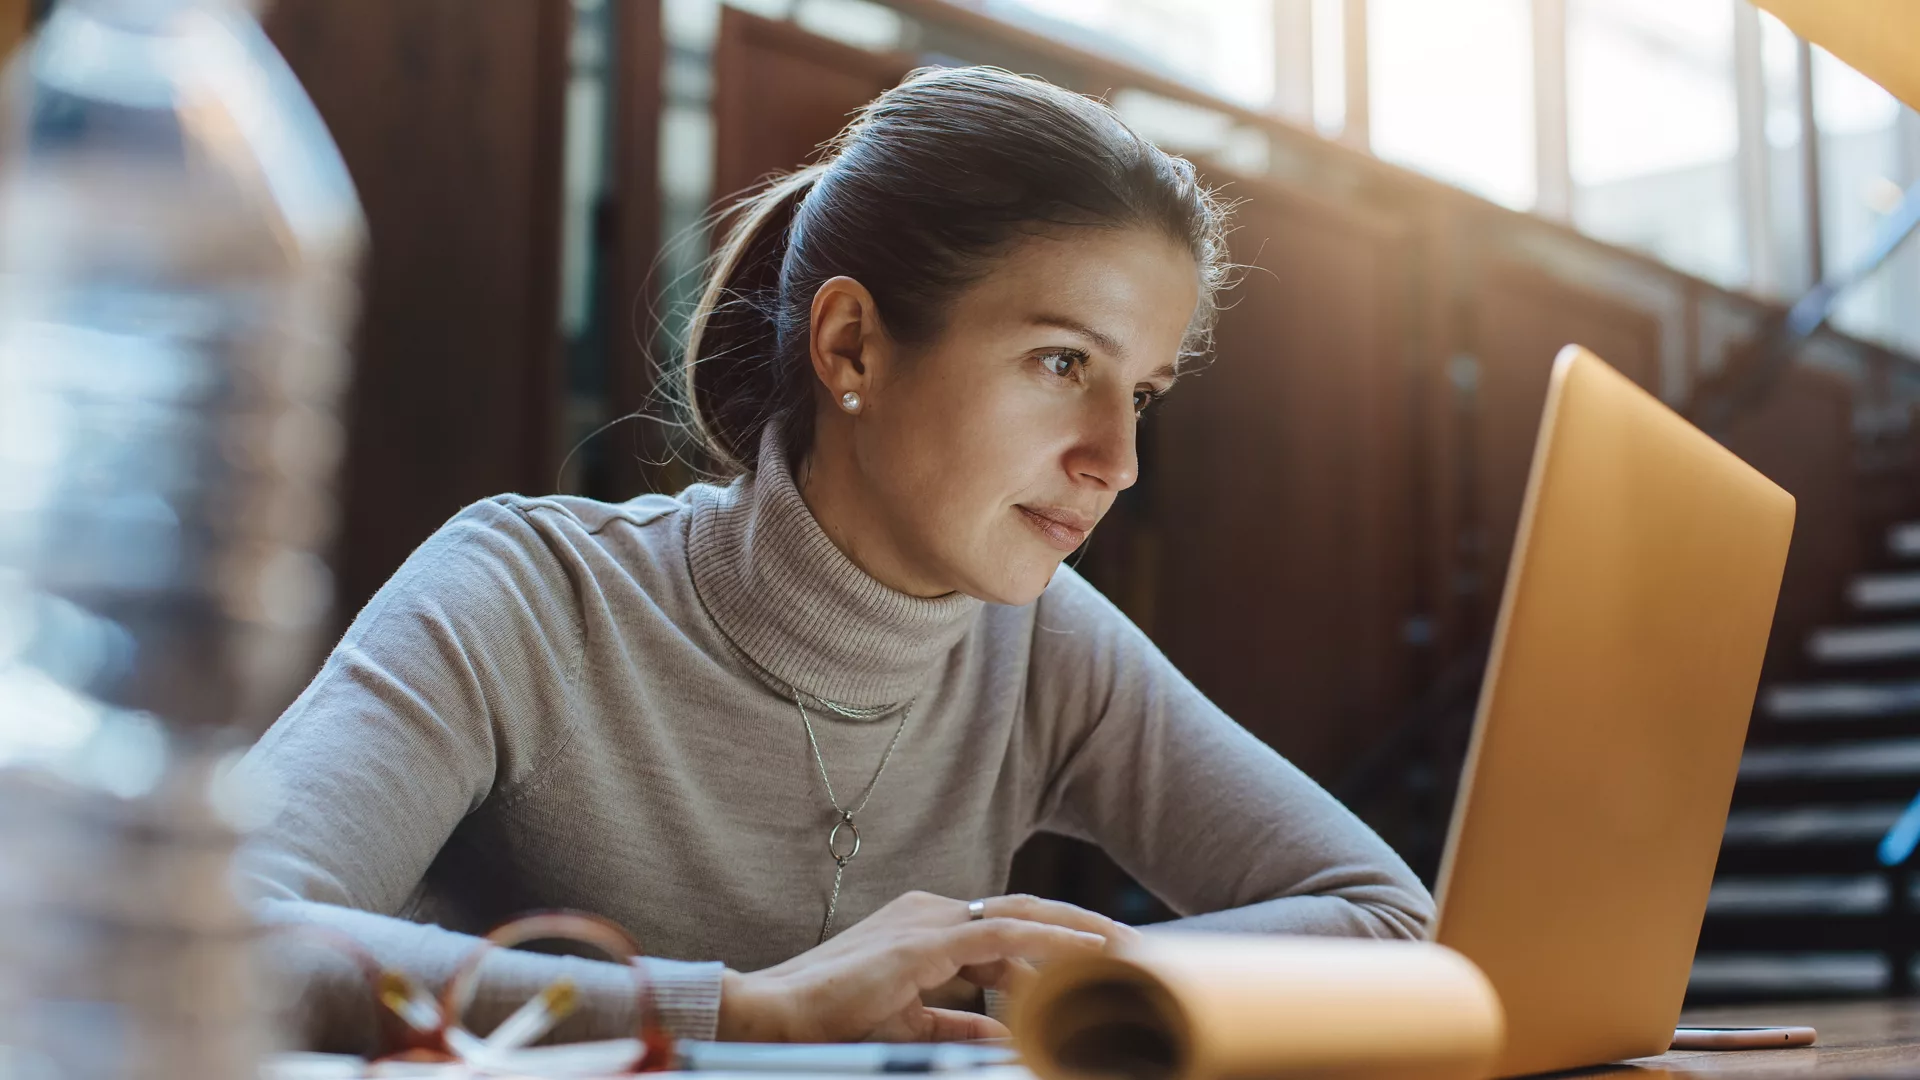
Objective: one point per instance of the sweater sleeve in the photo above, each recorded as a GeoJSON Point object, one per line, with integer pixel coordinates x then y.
{"type": "Point", "coordinates": [1212, 820]}
{"type": "Point", "coordinates": [450, 689]}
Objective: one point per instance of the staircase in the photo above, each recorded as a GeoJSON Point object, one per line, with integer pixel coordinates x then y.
{"type": "Point", "coordinates": [1803, 903]}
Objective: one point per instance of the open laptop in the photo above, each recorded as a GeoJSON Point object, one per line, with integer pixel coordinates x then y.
{"type": "Point", "coordinates": [1623, 671]}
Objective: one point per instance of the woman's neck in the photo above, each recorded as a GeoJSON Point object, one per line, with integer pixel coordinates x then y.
{"type": "Point", "coordinates": [828, 478]}
{"type": "Point", "coordinates": [795, 602]}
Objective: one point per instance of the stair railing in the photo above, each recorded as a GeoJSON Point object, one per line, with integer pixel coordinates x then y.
{"type": "Point", "coordinates": [1745, 385]}
{"type": "Point", "coordinates": [1896, 862]}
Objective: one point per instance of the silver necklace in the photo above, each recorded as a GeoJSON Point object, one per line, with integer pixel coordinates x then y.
{"type": "Point", "coordinates": [844, 849]}
{"type": "Point", "coordinates": [843, 817]}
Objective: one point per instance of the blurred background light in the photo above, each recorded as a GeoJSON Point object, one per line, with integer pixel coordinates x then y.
{"type": "Point", "coordinates": [1433, 66]}
{"type": "Point", "coordinates": [1653, 130]}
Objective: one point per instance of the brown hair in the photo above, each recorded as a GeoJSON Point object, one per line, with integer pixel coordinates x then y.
{"type": "Point", "coordinates": [912, 199]}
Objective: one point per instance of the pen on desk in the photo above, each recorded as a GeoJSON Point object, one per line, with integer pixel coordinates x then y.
{"type": "Point", "coordinates": [841, 1057]}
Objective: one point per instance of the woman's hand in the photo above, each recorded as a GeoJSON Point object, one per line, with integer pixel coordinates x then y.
{"type": "Point", "coordinates": [866, 983]}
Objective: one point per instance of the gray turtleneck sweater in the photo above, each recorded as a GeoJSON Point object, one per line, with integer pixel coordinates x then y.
{"type": "Point", "coordinates": [551, 705]}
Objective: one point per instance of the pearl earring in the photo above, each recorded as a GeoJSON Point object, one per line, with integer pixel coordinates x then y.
{"type": "Point", "coordinates": [850, 401]}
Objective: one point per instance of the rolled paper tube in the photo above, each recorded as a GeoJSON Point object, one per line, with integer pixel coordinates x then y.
{"type": "Point", "coordinates": [1191, 1006]}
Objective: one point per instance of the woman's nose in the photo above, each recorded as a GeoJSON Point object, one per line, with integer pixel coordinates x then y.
{"type": "Point", "coordinates": [1105, 454]}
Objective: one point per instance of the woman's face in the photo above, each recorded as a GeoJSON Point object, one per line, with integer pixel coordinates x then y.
{"type": "Point", "coordinates": [977, 463]}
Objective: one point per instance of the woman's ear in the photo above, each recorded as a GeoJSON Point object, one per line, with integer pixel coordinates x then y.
{"type": "Point", "coordinates": [846, 342]}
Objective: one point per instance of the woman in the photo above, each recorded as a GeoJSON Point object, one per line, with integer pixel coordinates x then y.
{"type": "Point", "coordinates": [790, 731]}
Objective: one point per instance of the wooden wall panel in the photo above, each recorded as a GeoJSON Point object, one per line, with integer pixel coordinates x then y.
{"type": "Point", "coordinates": [1283, 486]}
{"type": "Point", "coordinates": [1521, 320]}
{"type": "Point", "coordinates": [779, 92]}
{"type": "Point", "coordinates": [450, 116]}
{"type": "Point", "coordinates": [1802, 438]}
{"type": "Point", "coordinates": [631, 227]}
{"type": "Point", "coordinates": [14, 16]}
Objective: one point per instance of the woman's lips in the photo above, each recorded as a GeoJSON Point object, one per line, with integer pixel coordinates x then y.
{"type": "Point", "coordinates": [1063, 528]}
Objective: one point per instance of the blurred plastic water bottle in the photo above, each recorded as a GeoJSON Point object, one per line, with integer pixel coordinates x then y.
{"type": "Point", "coordinates": [178, 243]}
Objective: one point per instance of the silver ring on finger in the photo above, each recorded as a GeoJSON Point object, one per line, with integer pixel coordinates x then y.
{"type": "Point", "coordinates": [976, 910]}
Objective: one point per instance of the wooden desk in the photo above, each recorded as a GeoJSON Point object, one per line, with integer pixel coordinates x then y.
{"type": "Point", "coordinates": [1861, 1038]}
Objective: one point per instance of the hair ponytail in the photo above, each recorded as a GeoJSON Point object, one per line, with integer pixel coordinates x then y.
{"type": "Point", "coordinates": [734, 379]}
{"type": "Point", "coordinates": [913, 199]}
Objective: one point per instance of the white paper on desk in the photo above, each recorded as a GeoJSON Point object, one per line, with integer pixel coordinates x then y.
{"type": "Point", "coordinates": [562, 1061]}
{"type": "Point", "coordinates": [867, 1058]}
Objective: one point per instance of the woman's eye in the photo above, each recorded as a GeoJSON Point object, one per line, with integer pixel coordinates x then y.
{"type": "Point", "coordinates": [1062, 364]}
{"type": "Point", "coordinates": [1143, 398]}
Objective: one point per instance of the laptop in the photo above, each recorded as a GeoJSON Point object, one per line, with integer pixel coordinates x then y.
{"type": "Point", "coordinates": [1625, 660]}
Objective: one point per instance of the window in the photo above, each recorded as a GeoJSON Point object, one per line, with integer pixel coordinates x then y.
{"type": "Point", "coordinates": [1451, 88]}
{"type": "Point", "coordinates": [1653, 130]}
{"type": "Point", "coordinates": [1223, 46]}
{"type": "Point", "coordinates": [1869, 144]}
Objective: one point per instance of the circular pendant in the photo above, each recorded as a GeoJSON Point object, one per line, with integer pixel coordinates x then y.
{"type": "Point", "coordinates": [837, 847]}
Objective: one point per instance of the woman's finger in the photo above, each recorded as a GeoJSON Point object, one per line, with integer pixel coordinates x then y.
{"type": "Point", "coordinates": [1008, 975]}
{"type": "Point", "coordinates": [987, 940]}
{"type": "Point", "coordinates": [1058, 913]}
{"type": "Point", "coordinates": [950, 1025]}
{"type": "Point", "coordinates": [956, 993]}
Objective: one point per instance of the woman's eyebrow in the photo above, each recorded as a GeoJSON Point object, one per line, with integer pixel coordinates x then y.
{"type": "Point", "coordinates": [1075, 326]}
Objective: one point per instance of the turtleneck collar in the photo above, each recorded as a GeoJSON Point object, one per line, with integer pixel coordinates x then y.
{"type": "Point", "coordinates": [789, 599]}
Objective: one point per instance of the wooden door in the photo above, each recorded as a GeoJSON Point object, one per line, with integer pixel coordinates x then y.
{"type": "Point", "coordinates": [449, 114]}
